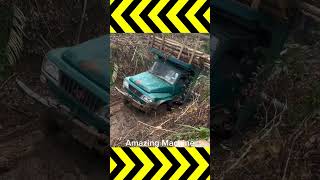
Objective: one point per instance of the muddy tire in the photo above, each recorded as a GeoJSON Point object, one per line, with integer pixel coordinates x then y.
{"type": "Point", "coordinates": [125, 101]}
{"type": "Point", "coordinates": [49, 123]}
{"type": "Point", "coordinates": [162, 108]}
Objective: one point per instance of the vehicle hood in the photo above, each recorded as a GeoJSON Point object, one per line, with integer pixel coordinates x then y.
{"type": "Point", "coordinates": [151, 83]}
{"type": "Point", "coordinates": [90, 59]}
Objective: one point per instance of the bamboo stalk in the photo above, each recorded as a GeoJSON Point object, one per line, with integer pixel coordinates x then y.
{"type": "Point", "coordinates": [194, 52]}
{"type": "Point", "coordinates": [174, 43]}
{"type": "Point", "coordinates": [182, 47]}
{"type": "Point", "coordinates": [197, 61]}
{"type": "Point", "coordinates": [186, 56]}
{"type": "Point", "coordinates": [169, 44]}
{"type": "Point", "coordinates": [162, 42]}
{"type": "Point", "coordinates": [184, 51]}
{"type": "Point", "coordinates": [181, 51]}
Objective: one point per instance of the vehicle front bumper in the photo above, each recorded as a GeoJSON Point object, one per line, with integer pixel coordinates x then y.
{"type": "Point", "coordinates": [80, 131]}
{"type": "Point", "coordinates": [144, 107]}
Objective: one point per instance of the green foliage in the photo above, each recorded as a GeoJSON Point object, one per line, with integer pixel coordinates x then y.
{"type": "Point", "coordinates": [11, 38]}
{"type": "Point", "coordinates": [15, 42]}
{"type": "Point", "coordinates": [192, 133]}
{"type": "Point", "coordinates": [200, 86]}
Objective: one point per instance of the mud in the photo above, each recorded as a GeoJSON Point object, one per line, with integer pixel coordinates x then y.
{"type": "Point", "coordinates": [26, 151]}
{"type": "Point", "coordinates": [127, 123]}
{"type": "Point", "coordinates": [58, 157]}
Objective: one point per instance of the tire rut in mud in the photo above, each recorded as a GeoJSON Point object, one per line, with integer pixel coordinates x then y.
{"type": "Point", "coordinates": [129, 123]}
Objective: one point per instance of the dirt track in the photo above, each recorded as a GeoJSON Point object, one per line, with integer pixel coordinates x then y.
{"type": "Point", "coordinates": [126, 121]}
{"type": "Point", "coordinates": [129, 123]}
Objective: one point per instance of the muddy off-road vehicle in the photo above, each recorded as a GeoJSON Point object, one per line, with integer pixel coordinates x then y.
{"type": "Point", "coordinates": [249, 33]}
{"type": "Point", "coordinates": [77, 78]}
{"type": "Point", "coordinates": [175, 66]}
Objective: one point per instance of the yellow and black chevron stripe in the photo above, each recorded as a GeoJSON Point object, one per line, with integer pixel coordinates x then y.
{"type": "Point", "coordinates": [160, 16]}
{"type": "Point", "coordinates": [159, 163]}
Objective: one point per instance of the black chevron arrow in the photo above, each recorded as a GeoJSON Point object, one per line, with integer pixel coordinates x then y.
{"type": "Point", "coordinates": [193, 163]}
{"type": "Point", "coordinates": [119, 162]}
{"type": "Point", "coordinates": [157, 164]}
{"type": "Point", "coordinates": [173, 160]}
{"type": "Point", "coordinates": [113, 23]}
{"type": "Point", "coordinates": [206, 156]}
{"type": "Point", "coordinates": [182, 16]}
{"type": "Point", "coordinates": [147, 20]}
{"type": "Point", "coordinates": [136, 161]}
{"type": "Point", "coordinates": [128, 19]}
{"type": "Point", "coordinates": [165, 19]}
{"type": "Point", "coordinates": [200, 17]}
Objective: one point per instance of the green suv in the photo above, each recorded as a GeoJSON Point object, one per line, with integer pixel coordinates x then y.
{"type": "Point", "coordinates": [162, 85]}
{"type": "Point", "coordinates": [78, 78]}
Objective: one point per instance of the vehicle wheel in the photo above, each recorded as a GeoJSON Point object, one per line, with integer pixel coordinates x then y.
{"type": "Point", "coordinates": [162, 108]}
{"type": "Point", "coordinates": [48, 121]}
{"type": "Point", "coordinates": [125, 101]}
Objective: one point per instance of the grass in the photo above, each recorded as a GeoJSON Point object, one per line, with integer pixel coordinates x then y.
{"type": "Point", "coordinates": [11, 38]}
{"type": "Point", "coordinates": [191, 133]}
{"type": "Point", "coordinates": [280, 148]}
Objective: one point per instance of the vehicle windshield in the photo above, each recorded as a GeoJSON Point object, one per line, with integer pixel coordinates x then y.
{"type": "Point", "coordinates": [165, 72]}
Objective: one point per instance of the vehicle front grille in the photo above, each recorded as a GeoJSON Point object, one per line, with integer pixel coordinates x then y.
{"type": "Point", "coordinates": [81, 94]}
{"type": "Point", "coordinates": [135, 91]}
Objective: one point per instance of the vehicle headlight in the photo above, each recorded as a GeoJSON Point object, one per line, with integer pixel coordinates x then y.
{"type": "Point", "coordinates": [146, 99]}
{"type": "Point", "coordinates": [126, 84]}
{"type": "Point", "coordinates": [51, 69]}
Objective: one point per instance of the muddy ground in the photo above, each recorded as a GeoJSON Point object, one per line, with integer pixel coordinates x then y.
{"type": "Point", "coordinates": [129, 123]}
{"type": "Point", "coordinates": [26, 152]}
